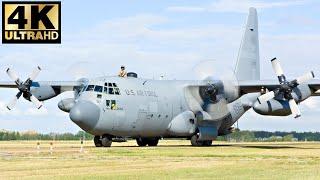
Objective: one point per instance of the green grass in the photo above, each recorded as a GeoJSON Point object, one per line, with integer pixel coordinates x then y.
{"type": "Point", "coordinates": [172, 159]}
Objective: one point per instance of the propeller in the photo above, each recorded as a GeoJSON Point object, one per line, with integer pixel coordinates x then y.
{"type": "Point", "coordinates": [24, 88]}
{"type": "Point", "coordinates": [218, 86]}
{"type": "Point", "coordinates": [221, 80]}
{"type": "Point", "coordinates": [286, 87]}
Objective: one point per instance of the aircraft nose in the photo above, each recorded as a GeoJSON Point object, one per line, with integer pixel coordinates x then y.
{"type": "Point", "coordinates": [85, 114]}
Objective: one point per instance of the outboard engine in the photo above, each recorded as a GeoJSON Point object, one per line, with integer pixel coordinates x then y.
{"type": "Point", "coordinates": [273, 108]}
{"type": "Point", "coordinates": [280, 106]}
{"type": "Point", "coordinates": [45, 92]}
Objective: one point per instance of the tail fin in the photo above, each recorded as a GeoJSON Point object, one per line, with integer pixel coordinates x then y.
{"type": "Point", "coordinates": [248, 65]}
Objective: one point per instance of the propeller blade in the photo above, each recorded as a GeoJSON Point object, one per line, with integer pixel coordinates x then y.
{"type": "Point", "coordinates": [277, 67]}
{"type": "Point", "coordinates": [13, 102]}
{"type": "Point", "coordinates": [35, 73]}
{"type": "Point", "coordinates": [13, 75]}
{"type": "Point", "coordinates": [266, 97]}
{"type": "Point", "coordinates": [35, 101]}
{"type": "Point", "coordinates": [305, 78]}
{"type": "Point", "coordinates": [294, 108]}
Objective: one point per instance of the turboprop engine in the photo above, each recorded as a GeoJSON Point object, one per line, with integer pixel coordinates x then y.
{"type": "Point", "coordinates": [66, 104]}
{"type": "Point", "coordinates": [289, 93]}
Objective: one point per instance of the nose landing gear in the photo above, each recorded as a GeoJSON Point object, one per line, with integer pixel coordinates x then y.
{"type": "Point", "coordinates": [102, 141]}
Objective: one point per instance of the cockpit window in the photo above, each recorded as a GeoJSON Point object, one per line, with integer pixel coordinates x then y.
{"type": "Point", "coordinates": [90, 88]}
{"type": "Point", "coordinates": [116, 91]}
{"type": "Point", "coordinates": [98, 89]}
{"type": "Point", "coordinates": [111, 88]}
{"type": "Point", "coordinates": [111, 91]}
{"type": "Point", "coordinates": [84, 88]}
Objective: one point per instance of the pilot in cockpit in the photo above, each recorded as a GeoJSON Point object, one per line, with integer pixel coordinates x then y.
{"type": "Point", "coordinates": [122, 72]}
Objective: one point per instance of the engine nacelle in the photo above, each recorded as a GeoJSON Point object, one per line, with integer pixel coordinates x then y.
{"type": "Point", "coordinates": [44, 92]}
{"type": "Point", "coordinates": [66, 104]}
{"type": "Point", "coordinates": [183, 124]}
{"type": "Point", "coordinates": [272, 108]}
{"type": "Point", "coordinates": [275, 107]}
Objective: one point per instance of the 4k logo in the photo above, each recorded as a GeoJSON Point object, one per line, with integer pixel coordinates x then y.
{"type": "Point", "coordinates": [31, 22]}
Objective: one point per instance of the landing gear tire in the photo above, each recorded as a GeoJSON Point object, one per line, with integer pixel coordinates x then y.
{"type": "Point", "coordinates": [106, 141]}
{"type": "Point", "coordinates": [147, 141]}
{"type": "Point", "coordinates": [207, 143]}
{"type": "Point", "coordinates": [97, 141]}
{"type": "Point", "coordinates": [141, 142]}
{"type": "Point", "coordinates": [195, 142]}
{"type": "Point", "coordinates": [153, 142]}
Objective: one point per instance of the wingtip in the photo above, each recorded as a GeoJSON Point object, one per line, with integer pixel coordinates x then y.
{"type": "Point", "coordinates": [312, 73]}
{"type": "Point", "coordinates": [273, 59]}
{"type": "Point", "coordinates": [8, 108]}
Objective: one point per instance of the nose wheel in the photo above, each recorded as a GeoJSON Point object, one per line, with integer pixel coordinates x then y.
{"type": "Point", "coordinates": [102, 141]}
{"type": "Point", "coordinates": [97, 141]}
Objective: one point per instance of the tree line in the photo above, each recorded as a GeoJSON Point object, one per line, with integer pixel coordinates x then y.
{"type": "Point", "coordinates": [31, 135]}
{"type": "Point", "coordinates": [251, 136]}
{"type": "Point", "coordinates": [238, 136]}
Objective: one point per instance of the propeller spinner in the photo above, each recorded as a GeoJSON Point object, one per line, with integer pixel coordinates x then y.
{"type": "Point", "coordinates": [24, 88]}
{"type": "Point", "coordinates": [286, 87]}
{"type": "Point", "coordinates": [221, 80]}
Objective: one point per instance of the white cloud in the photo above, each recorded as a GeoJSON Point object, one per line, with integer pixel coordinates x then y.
{"type": "Point", "coordinates": [239, 6]}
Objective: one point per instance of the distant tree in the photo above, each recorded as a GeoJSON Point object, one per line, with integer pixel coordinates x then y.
{"type": "Point", "coordinates": [288, 137]}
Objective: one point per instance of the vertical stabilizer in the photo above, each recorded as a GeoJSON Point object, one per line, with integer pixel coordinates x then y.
{"type": "Point", "coordinates": [248, 65]}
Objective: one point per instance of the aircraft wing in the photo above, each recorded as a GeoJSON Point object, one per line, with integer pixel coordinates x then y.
{"type": "Point", "coordinates": [63, 85]}
{"type": "Point", "coordinates": [249, 86]}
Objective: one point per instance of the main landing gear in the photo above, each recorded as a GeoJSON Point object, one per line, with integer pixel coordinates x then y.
{"type": "Point", "coordinates": [195, 142]}
{"type": "Point", "coordinates": [147, 141]}
{"type": "Point", "coordinates": [102, 141]}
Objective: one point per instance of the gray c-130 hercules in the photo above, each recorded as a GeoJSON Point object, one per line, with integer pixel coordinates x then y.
{"type": "Point", "coordinates": [147, 110]}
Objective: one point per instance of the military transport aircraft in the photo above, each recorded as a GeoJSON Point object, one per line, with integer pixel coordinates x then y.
{"type": "Point", "coordinates": [148, 110]}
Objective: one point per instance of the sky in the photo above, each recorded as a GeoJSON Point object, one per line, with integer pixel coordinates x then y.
{"type": "Point", "coordinates": [167, 38]}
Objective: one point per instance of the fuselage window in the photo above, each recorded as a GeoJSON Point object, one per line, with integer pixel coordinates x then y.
{"type": "Point", "coordinates": [114, 85]}
{"type": "Point", "coordinates": [105, 90]}
{"type": "Point", "coordinates": [90, 88]}
{"type": "Point", "coordinates": [113, 105]}
{"type": "Point", "coordinates": [110, 84]}
{"type": "Point", "coordinates": [111, 91]}
{"type": "Point", "coordinates": [105, 84]}
{"type": "Point", "coordinates": [108, 104]}
{"type": "Point", "coordinates": [98, 89]}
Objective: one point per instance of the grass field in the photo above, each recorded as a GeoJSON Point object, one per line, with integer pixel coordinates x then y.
{"type": "Point", "coordinates": [172, 159]}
